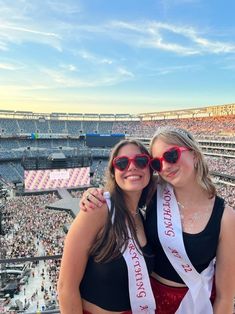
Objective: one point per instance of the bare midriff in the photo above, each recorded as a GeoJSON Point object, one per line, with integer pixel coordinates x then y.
{"type": "Point", "coordinates": [166, 281]}
{"type": "Point", "coordinates": [94, 309]}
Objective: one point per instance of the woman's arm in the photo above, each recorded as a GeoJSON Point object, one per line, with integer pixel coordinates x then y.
{"type": "Point", "coordinates": [225, 265]}
{"type": "Point", "coordinates": [78, 242]}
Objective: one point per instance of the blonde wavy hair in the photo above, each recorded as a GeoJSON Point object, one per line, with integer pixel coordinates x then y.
{"type": "Point", "coordinates": [181, 137]}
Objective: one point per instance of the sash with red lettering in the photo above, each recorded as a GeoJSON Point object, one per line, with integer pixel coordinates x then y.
{"type": "Point", "coordinates": [141, 295]}
{"type": "Point", "coordinates": [197, 299]}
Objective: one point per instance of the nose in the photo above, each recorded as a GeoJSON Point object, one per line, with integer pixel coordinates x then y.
{"type": "Point", "coordinates": [132, 165]}
{"type": "Point", "coordinates": [165, 165]}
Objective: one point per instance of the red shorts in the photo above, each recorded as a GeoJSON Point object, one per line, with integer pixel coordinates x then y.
{"type": "Point", "coordinates": [127, 312]}
{"type": "Point", "coordinates": [169, 298]}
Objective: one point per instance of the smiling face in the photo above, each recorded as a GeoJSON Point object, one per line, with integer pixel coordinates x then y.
{"type": "Point", "coordinates": [132, 179]}
{"type": "Point", "coordinates": [177, 174]}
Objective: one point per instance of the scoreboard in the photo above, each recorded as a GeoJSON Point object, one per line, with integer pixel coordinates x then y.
{"type": "Point", "coordinates": [103, 140]}
{"type": "Point", "coordinates": [52, 179]}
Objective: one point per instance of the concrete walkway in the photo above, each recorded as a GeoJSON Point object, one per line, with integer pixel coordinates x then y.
{"type": "Point", "coordinates": [38, 290]}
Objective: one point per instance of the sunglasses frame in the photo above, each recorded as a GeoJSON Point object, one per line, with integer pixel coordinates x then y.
{"type": "Point", "coordinates": [130, 160]}
{"type": "Point", "coordinates": [179, 150]}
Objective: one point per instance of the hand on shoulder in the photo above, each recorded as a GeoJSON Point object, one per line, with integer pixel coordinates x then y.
{"type": "Point", "coordinates": [92, 198]}
{"type": "Point", "coordinates": [96, 217]}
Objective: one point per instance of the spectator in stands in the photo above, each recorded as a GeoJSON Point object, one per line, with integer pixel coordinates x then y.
{"type": "Point", "coordinates": [102, 252]}
{"type": "Point", "coordinates": [32, 230]}
{"type": "Point", "coordinates": [190, 228]}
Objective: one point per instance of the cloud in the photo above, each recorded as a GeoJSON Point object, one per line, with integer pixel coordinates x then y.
{"type": "Point", "coordinates": [8, 66]}
{"type": "Point", "coordinates": [22, 22]}
{"type": "Point", "coordinates": [10, 34]}
{"type": "Point", "coordinates": [214, 47]}
{"type": "Point", "coordinates": [184, 40]}
{"type": "Point", "coordinates": [160, 44]}
{"type": "Point", "coordinates": [63, 80]}
{"type": "Point", "coordinates": [3, 46]}
{"type": "Point", "coordinates": [175, 69]}
{"type": "Point", "coordinates": [91, 57]}
{"type": "Point", "coordinates": [69, 67]}
{"type": "Point", "coordinates": [67, 8]}
{"type": "Point", "coordinates": [125, 72]}
{"type": "Point", "coordinates": [26, 30]}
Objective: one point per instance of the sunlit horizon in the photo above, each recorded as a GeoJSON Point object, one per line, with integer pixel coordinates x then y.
{"type": "Point", "coordinates": [116, 57]}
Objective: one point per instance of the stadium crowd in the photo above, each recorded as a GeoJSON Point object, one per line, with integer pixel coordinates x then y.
{"type": "Point", "coordinates": [31, 230]}
{"type": "Point", "coordinates": [221, 165]}
{"type": "Point", "coordinates": [202, 126]}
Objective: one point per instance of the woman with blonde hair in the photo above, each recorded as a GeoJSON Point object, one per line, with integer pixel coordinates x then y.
{"type": "Point", "coordinates": [191, 230]}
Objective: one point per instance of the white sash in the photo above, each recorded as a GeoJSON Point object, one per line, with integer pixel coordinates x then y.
{"type": "Point", "coordinates": [197, 298]}
{"type": "Point", "coordinates": [140, 291]}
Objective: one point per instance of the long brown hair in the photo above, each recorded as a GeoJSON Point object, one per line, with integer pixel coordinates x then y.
{"type": "Point", "coordinates": [114, 237]}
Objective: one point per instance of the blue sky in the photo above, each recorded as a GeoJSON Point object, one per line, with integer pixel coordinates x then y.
{"type": "Point", "coordinates": [116, 56]}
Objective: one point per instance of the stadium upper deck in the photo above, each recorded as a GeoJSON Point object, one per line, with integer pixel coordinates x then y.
{"type": "Point", "coordinates": [217, 110]}
{"type": "Point", "coordinates": [219, 120]}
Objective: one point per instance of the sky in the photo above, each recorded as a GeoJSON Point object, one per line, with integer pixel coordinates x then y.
{"type": "Point", "coordinates": [116, 56]}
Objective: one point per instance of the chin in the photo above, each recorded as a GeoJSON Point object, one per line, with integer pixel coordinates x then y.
{"type": "Point", "coordinates": [134, 188]}
{"type": "Point", "coordinates": [175, 182]}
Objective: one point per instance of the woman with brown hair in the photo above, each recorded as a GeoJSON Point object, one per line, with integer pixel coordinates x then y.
{"type": "Point", "coordinates": [106, 260]}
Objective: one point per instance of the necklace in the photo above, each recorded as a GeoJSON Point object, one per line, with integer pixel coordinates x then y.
{"type": "Point", "coordinates": [137, 219]}
{"type": "Point", "coordinates": [189, 220]}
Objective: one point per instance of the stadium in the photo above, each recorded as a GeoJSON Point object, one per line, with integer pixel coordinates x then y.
{"type": "Point", "coordinates": [48, 160]}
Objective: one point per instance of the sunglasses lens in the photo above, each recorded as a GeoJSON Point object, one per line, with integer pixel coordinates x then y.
{"type": "Point", "coordinates": [141, 161]}
{"type": "Point", "coordinates": [156, 164]}
{"type": "Point", "coordinates": [121, 163]}
{"type": "Point", "coordinates": [171, 156]}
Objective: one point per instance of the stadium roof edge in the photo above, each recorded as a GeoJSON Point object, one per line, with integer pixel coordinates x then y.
{"type": "Point", "coordinates": [24, 112]}
{"type": "Point", "coordinates": [10, 111]}
{"type": "Point", "coordinates": [177, 111]}
{"type": "Point", "coordinates": [215, 110]}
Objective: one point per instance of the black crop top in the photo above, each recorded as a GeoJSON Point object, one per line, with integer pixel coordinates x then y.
{"type": "Point", "coordinates": [201, 247]}
{"type": "Point", "coordinates": [106, 284]}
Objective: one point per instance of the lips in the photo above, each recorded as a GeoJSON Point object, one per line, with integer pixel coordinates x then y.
{"type": "Point", "coordinates": [133, 177]}
{"type": "Point", "coordinates": [171, 174]}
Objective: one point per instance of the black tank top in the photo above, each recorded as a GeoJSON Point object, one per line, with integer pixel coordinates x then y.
{"type": "Point", "coordinates": [201, 247]}
{"type": "Point", "coordinates": [106, 284]}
